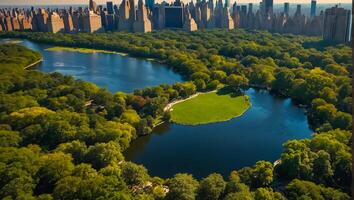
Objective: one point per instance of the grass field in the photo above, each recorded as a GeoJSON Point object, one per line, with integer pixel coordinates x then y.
{"type": "Point", "coordinates": [209, 108]}
{"type": "Point", "coordinates": [82, 50]}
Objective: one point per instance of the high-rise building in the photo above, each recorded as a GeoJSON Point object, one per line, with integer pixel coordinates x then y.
{"type": "Point", "coordinates": [313, 8]}
{"type": "Point", "coordinates": [189, 23]}
{"type": "Point", "coordinates": [42, 18]}
{"type": "Point", "coordinates": [68, 22]}
{"type": "Point", "coordinates": [150, 4]}
{"type": "Point", "coordinates": [174, 16]}
{"type": "Point", "coordinates": [15, 23]}
{"type": "Point", "coordinates": [250, 8]}
{"type": "Point", "coordinates": [55, 23]}
{"type": "Point", "coordinates": [336, 24]}
{"type": "Point", "coordinates": [298, 10]}
{"type": "Point", "coordinates": [227, 3]}
{"type": "Point", "coordinates": [286, 8]}
{"type": "Point", "coordinates": [92, 22]}
{"type": "Point", "coordinates": [125, 21]}
{"type": "Point", "coordinates": [267, 6]}
{"type": "Point", "coordinates": [109, 7]}
{"type": "Point", "coordinates": [92, 6]}
{"type": "Point", "coordinates": [142, 24]}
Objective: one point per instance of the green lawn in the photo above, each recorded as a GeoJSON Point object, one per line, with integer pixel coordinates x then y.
{"type": "Point", "coordinates": [208, 108]}
{"type": "Point", "coordinates": [82, 50]}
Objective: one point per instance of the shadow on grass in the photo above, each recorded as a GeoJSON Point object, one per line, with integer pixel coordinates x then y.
{"type": "Point", "coordinates": [227, 90]}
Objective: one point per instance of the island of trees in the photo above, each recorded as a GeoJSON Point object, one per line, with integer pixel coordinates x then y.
{"type": "Point", "coordinates": [62, 138]}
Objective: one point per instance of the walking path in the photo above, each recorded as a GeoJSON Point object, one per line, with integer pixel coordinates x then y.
{"type": "Point", "coordinates": [33, 64]}
{"type": "Point", "coordinates": [169, 106]}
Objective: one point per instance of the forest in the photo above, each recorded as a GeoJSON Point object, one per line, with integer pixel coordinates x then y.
{"type": "Point", "coordinates": [62, 138]}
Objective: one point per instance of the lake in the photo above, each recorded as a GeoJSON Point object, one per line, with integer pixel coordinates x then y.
{"type": "Point", "coordinates": [222, 147]}
{"type": "Point", "coordinates": [112, 71]}
{"type": "Point", "coordinates": [200, 150]}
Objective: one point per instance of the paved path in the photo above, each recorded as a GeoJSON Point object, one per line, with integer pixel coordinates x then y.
{"type": "Point", "coordinates": [169, 106]}
{"type": "Point", "coordinates": [33, 64]}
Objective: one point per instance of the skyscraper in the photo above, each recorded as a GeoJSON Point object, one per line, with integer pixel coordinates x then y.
{"type": "Point", "coordinates": [109, 7]}
{"type": "Point", "coordinates": [267, 6]}
{"type": "Point", "coordinates": [55, 23]}
{"type": "Point", "coordinates": [227, 3]}
{"type": "Point", "coordinates": [298, 10]}
{"type": "Point", "coordinates": [150, 4]}
{"type": "Point", "coordinates": [250, 8]}
{"type": "Point", "coordinates": [313, 8]}
{"type": "Point", "coordinates": [336, 24]}
{"type": "Point", "coordinates": [286, 8]}
{"type": "Point", "coordinates": [174, 17]}
{"type": "Point", "coordinates": [92, 5]}
{"type": "Point", "coordinates": [142, 24]}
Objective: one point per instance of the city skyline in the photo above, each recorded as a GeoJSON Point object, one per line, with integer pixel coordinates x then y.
{"type": "Point", "coordinates": [73, 2]}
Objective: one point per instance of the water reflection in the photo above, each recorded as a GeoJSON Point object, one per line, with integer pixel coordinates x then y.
{"type": "Point", "coordinates": [222, 147]}
{"type": "Point", "coordinates": [112, 71]}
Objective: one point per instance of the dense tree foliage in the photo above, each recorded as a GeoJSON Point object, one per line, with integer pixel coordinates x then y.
{"type": "Point", "coordinates": [62, 138]}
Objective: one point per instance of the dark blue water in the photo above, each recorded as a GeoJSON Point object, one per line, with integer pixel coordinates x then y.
{"type": "Point", "coordinates": [112, 71]}
{"type": "Point", "coordinates": [199, 150]}
{"type": "Point", "coordinates": [222, 147]}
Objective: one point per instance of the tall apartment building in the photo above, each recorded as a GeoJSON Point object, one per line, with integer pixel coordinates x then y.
{"type": "Point", "coordinates": [92, 22]}
{"type": "Point", "coordinates": [313, 8]}
{"type": "Point", "coordinates": [286, 8]}
{"type": "Point", "coordinates": [337, 24]}
{"type": "Point", "coordinates": [55, 23]}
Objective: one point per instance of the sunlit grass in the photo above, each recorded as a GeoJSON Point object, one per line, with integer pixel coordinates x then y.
{"type": "Point", "coordinates": [209, 108]}
{"type": "Point", "coordinates": [83, 50]}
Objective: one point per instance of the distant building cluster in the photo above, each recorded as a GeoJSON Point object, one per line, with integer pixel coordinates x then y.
{"type": "Point", "coordinates": [333, 24]}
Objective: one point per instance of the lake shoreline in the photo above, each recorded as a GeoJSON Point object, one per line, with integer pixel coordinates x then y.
{"type": "Point", "coordinates": [169, 107]}
{"type": "Point", "coordinates": [83, 50]}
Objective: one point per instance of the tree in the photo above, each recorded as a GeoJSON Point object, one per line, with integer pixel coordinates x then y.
{"type": "Point", "coordinates": [134, 174]}
{"type": "Point", "coordinates": [342, 120]}
{"type": "Point", "coordinates": [244, 195]}
{"type": "Point", "coordinates": [234, 183]}
{"type": "Point", "coordinates": [261, 75]}
{"type": "Point", "coordinates": [17, 187]}
{"type": "Point", "coordinates": [249, 60]}
{"type": "Point", "coordinates": [201, 75]}
{"type": "Point", "coordinates": [200, 84]}
{"type": "Point", "coordinates": [283, 81]}
{"type": "Point", "coordinates": [211, 187]}
{"type": "Point", "coordinates": [298, 189]}
{"type": "Point", "coordinates": [260, 175]}
{"type": "Point", "coordinates": [182, 187]}
{"type": "Point", "coordinates": [212, 85]}
{"type": "Point", "coordinates": [237, 82]}
{"type": "Point", "coordinates": [267, 194]}
{"type": "Point", "coordinates": [130, 116]}
{"type": "Point", "coordinates": [103, 154]}
{"type": "Point", "coordinates": [342, 169]}
{"type": "Point", "coordinates": [322, 169]}
{"type": "Point", "coordinates": [263, 173]}
{"type": "Point", "coordinates": [9, 138]}
{"type": "Point", "coordinates": [218, 75]}
{"type": "Point", "coordinates": [56, 166]}
{"type": "Point", "coordinates": [76, 148]}
{"type": "Point", "coordinates": [296, 160]}
{"type": "Point", "coordinates": [328, 94]}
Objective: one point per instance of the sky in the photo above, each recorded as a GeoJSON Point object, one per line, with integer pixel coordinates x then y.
{"type": "Point", "coordinates": [61, 2]}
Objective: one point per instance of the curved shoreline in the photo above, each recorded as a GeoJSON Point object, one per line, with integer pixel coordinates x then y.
{"type": "Point", "coordinates": [83, 50]}
{"type": "Point", "coordinates": [169, 106]}
{"type": "Point", "coordinates": [213, 122]}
